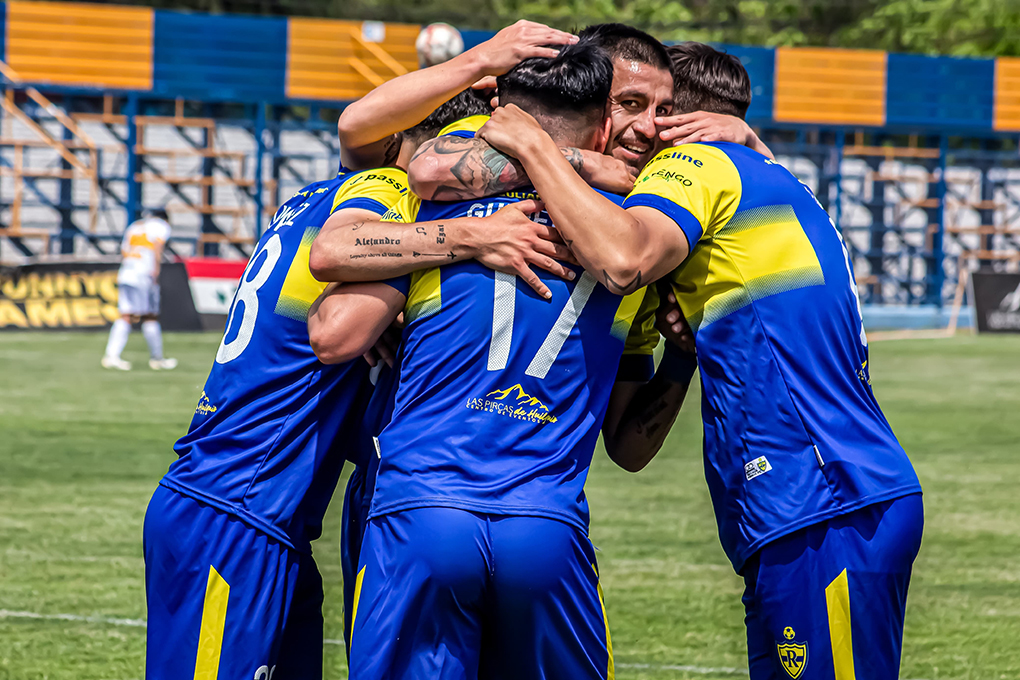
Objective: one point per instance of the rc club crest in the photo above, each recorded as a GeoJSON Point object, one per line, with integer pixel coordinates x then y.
{"type": "Point", "coordinates": [793, 655]}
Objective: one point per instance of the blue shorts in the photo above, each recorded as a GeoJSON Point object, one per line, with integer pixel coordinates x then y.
{"type": "Point", "coordinates": [447, 594]}
{"type": "Point", "coordinates": [827, 602]}
{"type": "Point", "coordinates": [357, 497]}
{"type": "Point", "coordinates": [225, 601]}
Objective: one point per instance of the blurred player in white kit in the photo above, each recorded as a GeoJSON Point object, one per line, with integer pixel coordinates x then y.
{"type": "Point", "coordinates": [138, 297]}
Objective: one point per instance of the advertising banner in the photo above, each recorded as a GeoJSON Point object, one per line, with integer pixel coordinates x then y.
{"type": "Point", "coordinates": [997, 302]}
{"type": "Point", "coordinates": [83, 296]}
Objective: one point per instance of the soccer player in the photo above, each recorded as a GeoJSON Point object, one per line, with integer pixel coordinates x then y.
{"type": "Point", "coordinates": [818, 506]}
{"type": "Point", "coordinates": [476, 561]}
{"type": "Point", "coordinates": [228, 532]}
{"type": "Point", "coordinates": [230, 581]}
{"type": "Point", "coordinates": [452, 168]}
{"type": "Point", "coordinates": [138, 292]}
{"type": "Point", "coordinates": [232, 590]}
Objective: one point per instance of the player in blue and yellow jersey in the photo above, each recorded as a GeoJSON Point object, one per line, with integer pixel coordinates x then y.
{"type": "Point", "coordinates": [357, 494]}
{"type": "Point", "coordinates": [476, 561]}
{"type": "Point", "coordinates": [230, 582]}
{"type": "Point", "coordinates": [818, 506]}
{"type": "Point", "coordinates": [231, 586]}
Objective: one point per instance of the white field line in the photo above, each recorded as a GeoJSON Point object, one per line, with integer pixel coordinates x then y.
{"type": "Point", "coordinates": [140, 623]}
{"type": "Point", "coordinates": [133, 623]}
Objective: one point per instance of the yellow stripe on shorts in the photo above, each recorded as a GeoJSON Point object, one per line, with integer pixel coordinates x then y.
{"type": "Point", "coordinates": [837, 600]}
{"type": "Point", "coordinates": [357, 597]}
{"type": "Point", "coordinates": [611, 669]}
{"type": "Point", "coordinates": [214, 616]}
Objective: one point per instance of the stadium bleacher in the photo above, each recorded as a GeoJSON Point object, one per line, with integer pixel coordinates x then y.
{"type": "Point", "coordinates": [220, 117]}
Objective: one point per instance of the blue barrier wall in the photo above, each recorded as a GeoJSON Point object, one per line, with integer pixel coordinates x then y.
{"type": "Point", "coordinates": [760, 63]}
{"type": "Point", "coordinates": [219, 58]}
{"type": "Point", "coordinates": [940, 91]}
{"type": "Point", "coordinates": [3, 31]}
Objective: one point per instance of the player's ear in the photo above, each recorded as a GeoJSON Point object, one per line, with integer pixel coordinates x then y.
{"type": "Point", "coordinates": [602, 136]}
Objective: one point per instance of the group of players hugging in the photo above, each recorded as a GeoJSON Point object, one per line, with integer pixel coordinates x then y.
{"type": "Point", "coordinates": [506, 274]}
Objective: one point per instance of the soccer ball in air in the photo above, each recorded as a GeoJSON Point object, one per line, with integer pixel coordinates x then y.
{"type": "Point", "coordinates": [438, 43]}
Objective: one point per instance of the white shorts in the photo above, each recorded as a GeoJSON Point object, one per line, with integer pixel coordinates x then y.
{"type": "Point", "coordinates": [138, 300]}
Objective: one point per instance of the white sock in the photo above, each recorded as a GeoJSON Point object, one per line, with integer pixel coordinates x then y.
{"type": "Point", "coordinates": [118, 338]}
{"type": "Point", "coordinates": [154, 336]}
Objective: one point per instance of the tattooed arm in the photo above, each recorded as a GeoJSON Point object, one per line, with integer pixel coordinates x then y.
{"type": "Point", "coordinates": [354, 245]}
{"type": "Point", "coordinates": [640, 415]}
{"type": "Point", "coordinates": [367, 127]}
{"type": "Point", "coordinates": [623, 249]}
{"type": "Point", "coordinates": [451, 168]}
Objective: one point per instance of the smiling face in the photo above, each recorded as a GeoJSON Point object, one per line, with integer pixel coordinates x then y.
{"type": "Point", "coordinates": [640, 93]}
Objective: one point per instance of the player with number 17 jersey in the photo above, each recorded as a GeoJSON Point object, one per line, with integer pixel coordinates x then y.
{"type": "Point", "coordinates": [499, 406]}
{"type": "Point", "coordinates": [231, 585]}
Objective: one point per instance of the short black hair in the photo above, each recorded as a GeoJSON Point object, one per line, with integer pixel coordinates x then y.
{"type": "Point", "coordinates": [567, 93]}
{"type": "Point", "coordinates": [160, 213]}
{"type": "Point", "coordinates": [625, 42]}
{"type": "Point", "coordinates": [705, 79]}
{"type": "Point", "coordinates": [466, 103]}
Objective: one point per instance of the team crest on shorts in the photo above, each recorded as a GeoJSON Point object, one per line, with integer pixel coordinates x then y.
{"type": "Point", "coordinates": [793, 655]}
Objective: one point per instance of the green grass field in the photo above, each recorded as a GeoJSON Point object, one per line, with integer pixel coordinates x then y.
{"type": "Point", "coordinates": [81, 450]}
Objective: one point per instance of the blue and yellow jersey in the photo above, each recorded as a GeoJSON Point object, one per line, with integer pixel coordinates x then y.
{"type": "Point", "coordinates": [502, 393]}
{"type": "Point", "coordinates": [465, 127]}
{"type": "Point", "coordinates": [273, 425]}
{"type": "Point", "coordinates": [793, 433]}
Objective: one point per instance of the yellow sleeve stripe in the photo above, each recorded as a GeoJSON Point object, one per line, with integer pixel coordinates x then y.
{"type": "Point", "coordinates": [300, 289]}
{"type": "Point", "coordinates": [404, 211]}
{"type": "Point", "coordinates": [469, 124]}
{"type": "Point", "coordinates": [628, 309]}
{"type": "Point", "coordinates": [384, 186]}
{"type": "Point", "coordinates": [424, 298]}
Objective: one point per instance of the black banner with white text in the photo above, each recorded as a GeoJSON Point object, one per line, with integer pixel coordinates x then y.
{"type": "Point", "coordinates": [997, 302]}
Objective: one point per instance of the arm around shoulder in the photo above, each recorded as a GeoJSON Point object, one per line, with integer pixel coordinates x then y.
{"type": "Point", "coordinates": [347, 320]}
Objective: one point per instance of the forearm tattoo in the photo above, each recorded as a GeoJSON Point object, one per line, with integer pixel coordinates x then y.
{"type": "Point", "coordinates": [479, 170]}
{"type": "Point", "coordinates": [574, 157]}
{"type": "Point", "coordinates": [391, 246]}
{"type": "Point", "coordinates": [653, 408]}
{"type": "Point", "coordinates": [619, 287]}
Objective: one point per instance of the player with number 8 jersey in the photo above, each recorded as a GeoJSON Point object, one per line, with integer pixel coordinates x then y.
{"type": "Point", "coordinates": [230, 582]}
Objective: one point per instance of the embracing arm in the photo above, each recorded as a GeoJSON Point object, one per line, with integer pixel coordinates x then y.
{"type": "Point", "coordinates": [355, 246]}
{"type": "Point", "coordinates": [701, 126]}
{"type": "Point", "coordinates": [623, 249]}
{"type": "Point", "coordinates": [348, 319]}
{"type": "Point", "coordinates": [640, 415]}
{"type": "Point", "coordinates": [366, 126]}
{"type": "Point", "coordinates": [451, 168]}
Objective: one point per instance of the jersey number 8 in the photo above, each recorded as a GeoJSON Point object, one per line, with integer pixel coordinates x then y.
{"type": "Point", "coordinates": [247, 294]}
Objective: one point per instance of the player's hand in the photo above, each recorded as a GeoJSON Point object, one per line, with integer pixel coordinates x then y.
{"type": "Point", "coordinates": [701, 126]}
{"type": "Point", "coordinates": [517, 42]}
{"type": "Point", "coordinates": [671, 322]}
{"type": "Point", "coordinates": [386, 347]}
{"type": "Point", "coordinates": [510, 129]}
{"type": "Point", "coordinates": [604, 172]}
{"type": "Point", "coordinates": [512, 243]}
